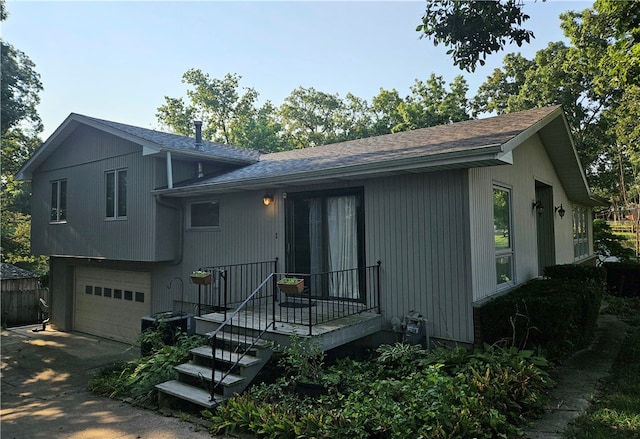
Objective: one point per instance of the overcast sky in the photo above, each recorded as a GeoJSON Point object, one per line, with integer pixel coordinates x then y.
{"type": "Point", "coordinates": [117, 60]}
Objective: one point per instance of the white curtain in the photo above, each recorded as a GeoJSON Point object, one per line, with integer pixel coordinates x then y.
{"type": "Point", "coordinates": [315, 244]}
{"type": "Point", "coordinates": [343, 246]}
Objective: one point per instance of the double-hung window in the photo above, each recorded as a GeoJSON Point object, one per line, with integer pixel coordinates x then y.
{"type": "Point", "coordinates": [580, 233]}
{"type": "Point", "coordinates": [116, 196]}
{"type": "Point", "coordinates": [502, 234]}
{"type": "Point", "coordinates": [58, 201]}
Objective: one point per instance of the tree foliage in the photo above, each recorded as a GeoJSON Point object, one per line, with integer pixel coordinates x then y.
{"type": "Point", "coordinates": [473, 29]}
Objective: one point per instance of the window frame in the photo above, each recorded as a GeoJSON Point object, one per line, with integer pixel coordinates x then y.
{"type": "Point", "coordinates": [113, 211]}
{"type": "Point", "coordinates": [190, 205]}
{"type": "Point", "coordinates": [580, 229]}
{"type": "Point", "coordinates": [508, 252]}
{"type": "Point", "coordinates": [60, 202]}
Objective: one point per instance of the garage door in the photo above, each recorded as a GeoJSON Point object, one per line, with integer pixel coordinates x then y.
{"type": "Point", "coordinates": [110, 303]}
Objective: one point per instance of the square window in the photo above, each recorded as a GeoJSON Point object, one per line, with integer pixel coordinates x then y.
{"type": "Point", "coordinates": [97, 291]}
{"type": "Point", "coordinates": [117, 294]}
{"type": "Point", "coordinates": [88, 289]}
{"type": "Point", "coordinates": [128, 295]}
{"type": "Point", "coordinates": [107, 292]}
{"type": "Point", "coordinates": [139, 297]}
{"type": "Point", "coordinates": [204, 214]}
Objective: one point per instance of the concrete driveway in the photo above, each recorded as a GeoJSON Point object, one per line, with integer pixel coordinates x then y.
{"type": "Point", "coordinates": [44, 391]}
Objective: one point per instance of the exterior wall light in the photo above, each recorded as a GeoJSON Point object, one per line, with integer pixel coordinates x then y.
{"type": "Point", "coordinates": [560, 210]}
{"type": "Point", "coordinates": [267, 199]}
{"type": "Point", "coordinates": [537, 205]}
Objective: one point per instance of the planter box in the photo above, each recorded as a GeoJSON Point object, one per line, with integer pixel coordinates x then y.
{"type": "Point", "coordinates": [201, 280]}
{"type": "Point", "coordinates": [289, 288]}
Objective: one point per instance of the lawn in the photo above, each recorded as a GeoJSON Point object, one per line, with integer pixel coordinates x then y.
{"type": "Point", "coordinates": [616, 409]}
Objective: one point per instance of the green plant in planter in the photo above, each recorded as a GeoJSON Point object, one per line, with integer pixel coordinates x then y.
{"type": "Point", "coordinates": [199, 273]}
{"type": "Point", "coordinates": [289, 281]}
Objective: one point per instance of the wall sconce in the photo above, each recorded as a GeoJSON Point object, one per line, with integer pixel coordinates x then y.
{"type": "Point", "coordinates": [537, 205]}
{"type": "Point", "coordinates": [560, 211]}
{"type": "Point", "coordinates": [267, 199]}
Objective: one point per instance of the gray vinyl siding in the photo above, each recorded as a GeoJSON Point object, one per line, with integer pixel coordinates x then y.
{"type": "Point", "coordinates": [82, 160]}
{"type": "Point", "coordinates": [418, 226]}
{"type": "Point", "coordinates": [530, 163]}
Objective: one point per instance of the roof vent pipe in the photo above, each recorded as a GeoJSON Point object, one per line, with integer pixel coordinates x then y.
{"type": "Point", "coordinates": [198, 125]}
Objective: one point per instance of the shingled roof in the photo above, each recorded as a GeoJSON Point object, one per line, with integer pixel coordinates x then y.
{"type": "Point", "coordinates": [9, 271]}
{"type": "Point", "coordinates": [478, 142]}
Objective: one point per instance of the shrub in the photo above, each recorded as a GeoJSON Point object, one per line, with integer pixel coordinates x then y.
{"type": "Point", "coordinates": [556, 315]}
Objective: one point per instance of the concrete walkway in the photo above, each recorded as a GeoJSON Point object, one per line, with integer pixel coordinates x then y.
{"type": "Point", "coordinates": [578, 380]}
{"type": "Point", "coordinates": [44, 382]}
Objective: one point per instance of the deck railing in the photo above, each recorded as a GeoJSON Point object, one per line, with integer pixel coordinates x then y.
{"type": "Point", "coordinates": [326, 297]}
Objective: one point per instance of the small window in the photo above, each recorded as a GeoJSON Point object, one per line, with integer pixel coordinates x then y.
{"type": "Point", "coordinates": [97, 291]}
{"type": "Point", "coordinates": [139, 297]}
{"type": "Point", "coordinates": [204, 214]}
{"type": "Point", "coordinates": [58, 201]}
{"type": "Point", "coordinates": [117, 294]}
{"type": "Point", "coordinates": [88, 289]}
{"type": "Point", "coordinates": [107, 292]}
{"type": "Point", "coordinates": [116, 194]}
{"type": "Point", "coordinates": [128, 295]}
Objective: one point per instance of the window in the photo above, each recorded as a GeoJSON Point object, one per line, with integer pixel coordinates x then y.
{"type": "Point", "coordinates": [502, 235]}
{"type": "Point", "coordinates": [116, 183]}
{"type": "Point", "coordinates": [204, 214]}
{"type": "Point", "coordinates": [58, 201]}
{"type": "Point", "coordinates": [580, 233]}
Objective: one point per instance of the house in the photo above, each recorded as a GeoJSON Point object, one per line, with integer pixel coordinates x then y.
{"type": "Point", "coordinates": [21, 294]}
{"type": "Point", "coordinates": [455, 214]}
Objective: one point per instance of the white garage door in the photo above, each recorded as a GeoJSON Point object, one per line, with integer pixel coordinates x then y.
{"type": "Point", "coordinates": [110, 303]}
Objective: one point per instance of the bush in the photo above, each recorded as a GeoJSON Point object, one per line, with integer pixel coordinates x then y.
{"type": "Point", "coordinates": [576, 272]}
{"type": "Point", "coordinates": [402, 391]}
{"type": "Point", "coordinates": [623, 279]}
{"type": "Point", "coordinates": [558, 316]}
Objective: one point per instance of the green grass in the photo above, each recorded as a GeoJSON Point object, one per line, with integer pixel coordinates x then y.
{"type": "Point", "coordinates": [616, 411]}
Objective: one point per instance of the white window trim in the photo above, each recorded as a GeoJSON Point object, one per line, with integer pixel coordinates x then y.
{"type": "Point", "coordinates": [583, 239]}
{"type": "Point", "coordinates": [188, 212]}
{"type": "Point", "coordinates": [115, 216]}
{"type": "Point", "coordinates": [58, 199]}
{"type": "Point", "coordinates": [511, 250]}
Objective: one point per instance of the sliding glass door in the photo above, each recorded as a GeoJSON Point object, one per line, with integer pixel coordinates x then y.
{"type": "Point", "coordinates": [325, 239]}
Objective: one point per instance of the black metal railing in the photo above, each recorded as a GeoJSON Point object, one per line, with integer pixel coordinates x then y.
{"type": "Point", "coordinates": [231, 284]}
{"type": "Point", "coordinates": [325, 297]}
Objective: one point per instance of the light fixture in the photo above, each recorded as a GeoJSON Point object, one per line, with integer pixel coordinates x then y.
{"type": "Point", "coordinates": [537, 205]}
{"type": "Point", "coordinates": [267, 199]}
{"type": "Point", "coordinates": [560, 211]}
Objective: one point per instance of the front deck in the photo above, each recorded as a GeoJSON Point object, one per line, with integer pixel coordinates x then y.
{"type": "Point", "coordinates": [332, 323]}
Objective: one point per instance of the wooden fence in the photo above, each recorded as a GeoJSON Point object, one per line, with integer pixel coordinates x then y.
{"type": "Point", "coordinates": [22, 307]}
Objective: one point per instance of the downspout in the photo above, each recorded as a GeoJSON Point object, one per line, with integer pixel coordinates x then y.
{"type": "Point", "coordinates": [162, 202]}
{"type": "Point", "coordinates": [169, 171]}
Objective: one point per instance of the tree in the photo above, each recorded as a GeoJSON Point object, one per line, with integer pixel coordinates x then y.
{"type": "Point", "coordinates": [20, 125]}
{"type": "Point", "coordinates": [220, 104]}
{"type": "Point", "coordinates": [473, 29]}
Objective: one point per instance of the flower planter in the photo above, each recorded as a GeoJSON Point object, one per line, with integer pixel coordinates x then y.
{"type": "Point", "coordinates": [291, 286]}
{"type": "Point", "coordinates": [201, 279]}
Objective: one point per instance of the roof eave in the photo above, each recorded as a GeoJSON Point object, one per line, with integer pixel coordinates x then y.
{"type": "Point", "coordinates": [488, 156]}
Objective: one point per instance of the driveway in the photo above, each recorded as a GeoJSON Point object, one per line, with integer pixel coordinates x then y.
{"type": "Point", "coordinates": [44, 381]}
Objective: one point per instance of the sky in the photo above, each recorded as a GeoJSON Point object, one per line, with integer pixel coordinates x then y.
{"type": "Point", "coordinates": [117, 60]}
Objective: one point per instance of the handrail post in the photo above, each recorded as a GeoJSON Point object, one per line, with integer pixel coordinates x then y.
{"type": "Point", "coordinates": [274, 289]}
{"type": "Point", "coordinates": [213, 366]}
{"type": "Point", "coordinates": [223, 273]}
{"type": "Point", "coordinates": [199, 300]}
{"type": "Point", "coordinates": [379, 306]}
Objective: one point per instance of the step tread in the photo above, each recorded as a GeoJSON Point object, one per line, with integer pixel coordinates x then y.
{"type": "Point", "coordinates": [239, 339]}
{"type": "Point", "coordinates": [225, 355]}
{"type": "Point", "coordinates": [203, 372]}
{"type": "Point", "coordinates": [189, 393]}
